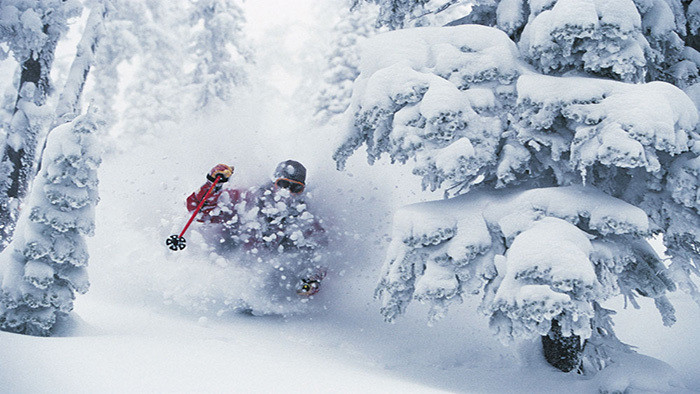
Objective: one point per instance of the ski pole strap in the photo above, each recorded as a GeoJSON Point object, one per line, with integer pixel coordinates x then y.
{"type": "Point", "coordinates": [201, 203]}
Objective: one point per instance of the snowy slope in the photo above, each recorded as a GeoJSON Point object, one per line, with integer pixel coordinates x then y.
{"type": "Point", "coordinates": [123, 349]}
{"type": "Point", "coordinates": [139, 334]}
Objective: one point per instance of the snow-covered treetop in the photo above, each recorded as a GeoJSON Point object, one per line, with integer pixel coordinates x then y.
{"type": "Point", "coordinates": [626, 40]}
{"type": "Point", "coordinates": [462, 105]}
{"type": "Point", "coordinates": [562, 160]}
{"type": "Point", "coordinates": [220, 48]}
{"type": "Point", "coordinates": [26, 25]}
{"type": "Point", "coordinates": [441, 96]}
{"type": "Point", "coordinates": [604, 36]}
{"type": "Point", "coordinates": [429, 87]}
{"type": "Point", "coordinates": [44, 266]}
{"type": "Point", "coordinates": [343, 59]}
{"type": "Point", "coordinates": [69, 180]}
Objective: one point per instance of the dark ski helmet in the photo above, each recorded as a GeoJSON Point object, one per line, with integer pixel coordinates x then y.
{"type": "Point", "coordinates": [292, 170]}
{"type": "Point", "coordinates": [291, 175]}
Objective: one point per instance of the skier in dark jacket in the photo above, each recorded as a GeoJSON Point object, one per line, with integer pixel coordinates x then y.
{"type": "Point", "coordinates": [270, 219]}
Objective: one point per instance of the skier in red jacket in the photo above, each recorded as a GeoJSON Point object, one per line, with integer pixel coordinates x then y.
{"type": "Point", "coordinates": [209, 213]}
{"type": "Point", "coordinates": [269, 219]}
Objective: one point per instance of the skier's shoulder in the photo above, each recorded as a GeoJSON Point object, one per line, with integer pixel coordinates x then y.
{"type": "Point", "coordinates": [232, 195]}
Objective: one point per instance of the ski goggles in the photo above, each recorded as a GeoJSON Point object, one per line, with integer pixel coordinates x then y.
{"type": "Point", "coordinates": [294, 187]}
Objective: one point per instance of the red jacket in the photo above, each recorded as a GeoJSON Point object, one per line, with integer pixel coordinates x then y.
{"type": "Point", "coordinates": [219, 207]}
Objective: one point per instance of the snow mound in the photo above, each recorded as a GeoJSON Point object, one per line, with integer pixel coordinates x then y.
{"type": "Point", "coordinates": [638, 373]}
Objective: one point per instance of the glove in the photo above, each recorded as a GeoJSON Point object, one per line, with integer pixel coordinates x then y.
{"type": "Point", "coordinates": [222, 171]}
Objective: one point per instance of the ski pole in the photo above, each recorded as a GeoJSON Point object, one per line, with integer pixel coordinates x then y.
{"type": "Point", "coordinates": [177, 242]}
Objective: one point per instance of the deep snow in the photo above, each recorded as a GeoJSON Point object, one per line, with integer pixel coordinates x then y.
{"type": "Point", "coordinates": [150, 321]}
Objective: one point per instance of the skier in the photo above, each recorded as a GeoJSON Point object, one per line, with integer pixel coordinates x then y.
{"type": "Point", "coordinates": [271, 220]}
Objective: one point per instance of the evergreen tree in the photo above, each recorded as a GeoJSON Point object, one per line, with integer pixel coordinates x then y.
{"type": "Point", "coordinates": [44, 266]}
{"type": "Point", "coordinates": [157, 96]}
{"type": "Point", "coordinates": [31, 30]}
{"type": "Point", "coordinates": [219, 46]}
{"type": "Point", "coordinates": [179, 53]}
{"type": "Point", "coordinates": [68, 106]}
{"type": "Point", "coordinates": [119, 43]}
{"type": "Point", "coordinates": [559, 168]}
{"type": "Point", "coordinates": [333, 97]}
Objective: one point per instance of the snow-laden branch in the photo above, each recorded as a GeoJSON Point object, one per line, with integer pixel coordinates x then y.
{"type": "Point", "coordinates": [539, 247]}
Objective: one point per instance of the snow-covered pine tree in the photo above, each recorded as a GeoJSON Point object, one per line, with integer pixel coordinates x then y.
{"type": "Point", "coordinates": [660, 41]}
{"type": "Point", "coordinates": [68, 106]}
{"type": "Point", "coordinates": [561, 171]}
{"type": "Point", "coordinates": [44, 265]}
{"type": "Point", "coordinates": [219, 48]}
{"type": "Point", "coordinates": [118, 44]}
{"type": "Point", "coordinates": [30, 30]}
{"type": "Point", "coordinates": [343, 66]}
{"type": "Point", "coordinates": [179, 52]}
{"type": "Point", "coordinates": [157, 96]}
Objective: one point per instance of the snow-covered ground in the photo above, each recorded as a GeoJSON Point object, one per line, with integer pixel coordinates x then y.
{"type": "Point", "coordinates": [153, 320]}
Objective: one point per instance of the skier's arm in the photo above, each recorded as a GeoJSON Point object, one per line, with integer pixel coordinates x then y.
{"type": "Point", "coordinates": [220, 171]}
{"type": "Point", "coordinates": [195, 198]}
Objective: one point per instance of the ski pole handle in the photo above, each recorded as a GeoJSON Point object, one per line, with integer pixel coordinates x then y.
{"type": "Point", "coordinates": [178, 242]}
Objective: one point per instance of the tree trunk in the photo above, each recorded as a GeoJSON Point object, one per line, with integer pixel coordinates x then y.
{"type": "Point", "coordinates": [563, 353]}
{"type": "Point", "coordinates": [21, 142]}
{"type": "Point", "coordinates": [68, 106]}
